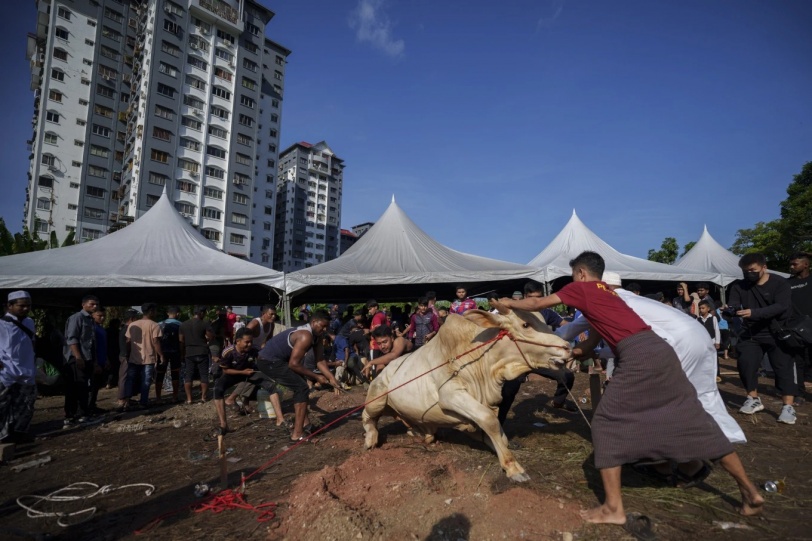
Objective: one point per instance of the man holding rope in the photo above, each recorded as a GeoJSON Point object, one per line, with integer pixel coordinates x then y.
{"type": "Point", "coordinates": [645, 413]}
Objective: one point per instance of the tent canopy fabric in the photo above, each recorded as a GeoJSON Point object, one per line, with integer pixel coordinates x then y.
{"type": "Point", "coordinates": [400, 261]}
{"type": "Point", "coordinates": [708, 255]}
{"type": "Point", "coordinates": [576, 237]}
{"type": "Point", "coordinates": [159, 257]}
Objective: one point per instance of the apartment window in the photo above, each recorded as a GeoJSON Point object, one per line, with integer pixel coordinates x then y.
{"type": "Point", "coordinates": [158, 156]}
{"type": "Point", "coordinates": [169, 48]}
{"type": "Point", "coordinates": [202, 25]}
{"type": "Point", "coordinates": [237, 239]}
{"type": "Point", "coordinates": [240, 199]}
{"type": "Point", "coordinates": [266, 226]}
{"type": "Point", "coordinates": [215, 172]}
{"type": "Point", "coordinates": [225, 55]}
{"type": "Point", "coordinates": [221, 93]}
{"type": "Point", "coordinates": [271, 163]}
{"type": "Point", "coordinates": [277, 89]}
{"type": "Point", "coordinates": [250, 47]}
{"type": "Point", "coordinates": [194, 82]}
{"type": "Point", "coordinates": [125, 98]}
{"type": "Point", "coordinates": [61, 54]}
{"type": "Point", "coordinates": [214, 193]}
{"type": "Point", "coordinates": [74, 185]}
{"type": "Point", "coordinates": [109, 53]}
{"type": "Point", "coordinates": [225, 36]}
{"type": "Point", "coordinates": [198, 43]}
{"type": "Point", "coordinates": [243, 159]}
{"type": "Point", "coordinates": [94, 213]}
{"type": "Point", "coordinates": [273, 132]}
{"type": "Point", "coordinates": [268, 211]}
{"type": "Point", "coordinates": [162, 134]}
{"type": "Point", "coordinates": [241, 180]}
{"type": "Point", "coordinates": [113, 15]}
{"type": "Point", "coordinates": [40, 226]}
{"type": "Point", "coordinates": [90, 234]}
{"type": "Point", "coordinates": [61, 33]}
{"type": "Point", "coordinates": [45, 182]}
{"type": "Point", "coordinates": [197, 63]}
{"type": "Point", "coordinates": [105, 91]}
{"type": "Point", "coordinates": [85, 82]}
{"type": "Point", "coordinates": [186, 186]}
{"type": "Point", "coordinates": [51, 138]}
{"type": "Point", "coordinates": [166, 90]}
{"type": "Point", "coordinates": [158, 180]}
{"type": "Point", "coordinates": [164, 112]}
{"type": "Point", "coordinates": [277, 75]}
{"type": "Point", "coordinates": [280, 61]}
{"type": "Point", "coordinates": [49, 160]}
{"type": "Point", "coordinates": [246, 120]}
{"type": "Point", "coordinates": [275, 103]}
{"type": "Point", "coordinates": [191, 123]}
{"type": "Point", "coordinates": [63, 13]}
{"type": "Point", "coordinates": [244, 140]}
{"type": "Point", "coordinates": [191, 144]}
{"type": "Point", "coordinates": [218, 132]}
{"type": "Point", "coordinates": [211, 234]}
{"type": "Point", "coordinates": [237, 218]}
{"type": "Point", "coordinates": [223, 74]}
{"type": "Point", "coordinates": [274, 117]}
{"type": "Point", "coordinates": [216, 152]}
{"type": "Point", "coordinates": [254, 29]}
{"type": "Point", "coordinates": [173, 8]}
{"type": "Point", "coordinates": [248, 102]}
{"type": "Point", "coordinates": [249, 83]}
{"type": "Point", "coordinates": [191, 101]}
{"type": "Point", "coordinates": [250, 66]}
{"type": "Point", "coordinates": [152, 199]}
{"type": "Point", "coordinates": [43, 204]}
{"type": "Point", "coordinates": [52, 116]}
{"type": "Point", "coordinates": [95, 171]}
{"type": "Point", "coordinates": [189, 165]}
{"type": "Point", "coordinates": [171, 27]}
{"type": "Point", "coordinates": [185, 208]}
{"type": "Point", "coordinates": [103, 111]}
{"type": "Point", "coordinates": [78, 143]}
{"type": "Point", "coordinates": [271, 147]}
{"type": "Point", "coordinates": [219, 112]}
{"type": "Point", "coordinates": [167, 69]}
{"type": "Point", "coordinates": [93, 191]}
{"type": "Point", "coordinates": [269, 194]}
{"type": "Point", "coordinates": [212, 214]}
{"type": "Point", "coordinates": [111, 34]}
{"type": "Point", "coordinates": [76, 163]}
{"type": "Point", "coordinates": [57, 74]}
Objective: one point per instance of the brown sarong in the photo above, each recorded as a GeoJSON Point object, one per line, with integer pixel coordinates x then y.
{"type": "Point", "coordinates": [650, 410]}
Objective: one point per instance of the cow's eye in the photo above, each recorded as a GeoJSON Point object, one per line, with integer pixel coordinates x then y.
{"type": "Point", "coordinates": [525, 325]}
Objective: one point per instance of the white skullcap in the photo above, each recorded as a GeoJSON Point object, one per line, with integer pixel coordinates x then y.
{"type": "Point", "coordinates": [14, 295]}
{"type": "Point", "coordinates": [611, 278]}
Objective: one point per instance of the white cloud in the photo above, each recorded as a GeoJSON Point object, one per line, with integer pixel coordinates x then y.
{"type": "Point", "coordinates": [372, 25]}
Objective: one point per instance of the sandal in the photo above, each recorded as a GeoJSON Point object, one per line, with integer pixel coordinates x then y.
{"type": "Point", "coordinates": [639, 526]}
{"type": "Point", "coordinates": [687, 481]}
{"type": "Point", "coordinates": [216, 432]}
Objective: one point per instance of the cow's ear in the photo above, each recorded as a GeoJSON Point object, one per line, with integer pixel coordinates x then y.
{"type": "Point", "coordinates": [483, 319]}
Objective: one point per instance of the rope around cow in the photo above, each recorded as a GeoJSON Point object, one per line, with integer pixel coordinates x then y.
{"type": "Point", "coordinates": [230, 499]}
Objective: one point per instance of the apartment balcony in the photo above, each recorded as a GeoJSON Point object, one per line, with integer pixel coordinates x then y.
{"type": "Point", "coordinates": [217, 11]}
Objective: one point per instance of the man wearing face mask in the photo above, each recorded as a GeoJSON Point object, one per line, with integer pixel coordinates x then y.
{"type": "Point", "coordinates": [763, 301]}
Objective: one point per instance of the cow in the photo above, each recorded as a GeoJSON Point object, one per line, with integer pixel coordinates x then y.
{"type": "Point", "coordinates": [484, 349]}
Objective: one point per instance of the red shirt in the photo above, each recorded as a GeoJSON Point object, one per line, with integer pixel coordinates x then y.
{"type": "Point", "coordinates": [377, 320]}
{"type": "Point", "coordinates": [607, 313]}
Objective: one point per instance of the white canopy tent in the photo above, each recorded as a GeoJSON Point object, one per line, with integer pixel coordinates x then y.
{"type": "Point", "coordinates": [160, 257]}
{"type": "Point", "coordinates": [576, 237]}
{"type": "Point", "coordinates": [397, 260]}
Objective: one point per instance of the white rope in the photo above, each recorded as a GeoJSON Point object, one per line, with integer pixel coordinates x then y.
{"type": "Point", "coordinates": [72, 493]}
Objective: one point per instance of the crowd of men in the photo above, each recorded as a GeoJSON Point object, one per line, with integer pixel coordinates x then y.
{"type": "Point", "coordinates": [607, 323]}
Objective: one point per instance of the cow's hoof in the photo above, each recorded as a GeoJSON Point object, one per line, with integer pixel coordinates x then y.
{"type": "Point", "coordinates": [370, 442]}
{"type": "Point", "coordinates": [519, 477]}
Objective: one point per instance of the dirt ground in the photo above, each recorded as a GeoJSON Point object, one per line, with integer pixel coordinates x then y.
{"type": "Point", "coordinates": [333, 490]}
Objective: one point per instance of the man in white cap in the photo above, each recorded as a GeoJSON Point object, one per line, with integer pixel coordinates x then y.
{"type": "Point", "coordinates": [18, 389]}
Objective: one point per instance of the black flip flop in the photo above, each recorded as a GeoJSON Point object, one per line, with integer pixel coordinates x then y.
{"type": "Point", "coordinates": [689, 481]}
{"type": "Point", "coordinates": [639, 526]}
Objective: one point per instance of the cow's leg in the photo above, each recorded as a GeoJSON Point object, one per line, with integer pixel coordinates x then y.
{"type": "Point", "coordinates": [373, 412]}
{"type": "Point", "coordinates": [463, 404]}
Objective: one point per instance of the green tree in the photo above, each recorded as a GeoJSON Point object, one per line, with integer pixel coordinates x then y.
{"type": "Point", "coordinates": [6, 239]}
{"type": "Point", "coordinates": [667, 253]}
{"type": "Point", "coordinates": [70, 240]}
{"type": "Point", "coordinates": [796, 212]}
{"type": "Point", "coordinates": [764, 238]}
{"type": "Point", "coordinates": [27, 242]}
{"type": "Point", "coordinates": [687, 247]}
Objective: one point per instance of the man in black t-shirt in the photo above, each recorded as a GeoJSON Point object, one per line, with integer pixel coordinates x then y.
{"type": "Point", "coordinates": [195, 335]}
{"type": "Point", "coordinates": [801, 286]}
{"type": "Point", "coordinates": [763, 301]}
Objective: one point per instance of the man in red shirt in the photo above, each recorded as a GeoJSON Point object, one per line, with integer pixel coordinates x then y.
{"type": "Point", "coordinates": [376, 319]}
{"type": "Point", "coordinates": [645, 414]}
{"type": "Point", "coordinates": [231, 319]}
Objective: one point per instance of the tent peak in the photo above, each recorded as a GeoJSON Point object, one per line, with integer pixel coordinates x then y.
{"type": "Point", "coordinates": [573, 212]}
{"type": "Point", "coordinates": [393, 198]}
{"type": "Point", "coordinates": [163, 192]}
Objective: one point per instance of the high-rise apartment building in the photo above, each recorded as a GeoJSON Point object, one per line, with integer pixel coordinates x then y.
{"type": "Point", "coordinates": [136, 97]}
{"type": "Point", "coordinates": [308, 206]}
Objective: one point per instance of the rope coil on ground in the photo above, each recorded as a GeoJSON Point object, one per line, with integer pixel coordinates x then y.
{"type": "Point", "coordinates": [70, 493]}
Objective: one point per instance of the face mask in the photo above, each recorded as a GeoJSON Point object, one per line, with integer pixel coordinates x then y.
{"type": "Point", "coordinates": [752, 276]}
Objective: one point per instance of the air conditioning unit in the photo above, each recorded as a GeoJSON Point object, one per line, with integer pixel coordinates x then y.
{"type": "Point", "coordinates": [194, 174]}
{"type": "Point", "coordinates": [232, 64]}
{"type": "Point", "coordinates": [193, 45]}
{"type": "Point", "coordinates": [53, 168]}
{"type": "Point", "coordinates": [204, 31]}
{"type": "Point", "coordinates": [42, 57]}
{"type": "Point", "coordinates": [197, 112]}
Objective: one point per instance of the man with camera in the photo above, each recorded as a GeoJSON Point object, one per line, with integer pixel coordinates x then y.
{"type": "Point", "coordinates": [763, 301]}
{"type": "Point", "coordinates": [801, 287]}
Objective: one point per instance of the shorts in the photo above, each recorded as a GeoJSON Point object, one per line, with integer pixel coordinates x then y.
{"type": "Point", "coordinates": [199, 364]}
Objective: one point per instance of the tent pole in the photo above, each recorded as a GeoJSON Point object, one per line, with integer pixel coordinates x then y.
{"type": "Point", "coordinates": [286, 308]}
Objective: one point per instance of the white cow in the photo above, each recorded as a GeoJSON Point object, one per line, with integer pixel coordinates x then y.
{"type": "Point", "coordinates": [464, 393]}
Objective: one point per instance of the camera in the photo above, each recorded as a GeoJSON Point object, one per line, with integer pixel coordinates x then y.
{"type": "Point", "coordinates": [731, 310]}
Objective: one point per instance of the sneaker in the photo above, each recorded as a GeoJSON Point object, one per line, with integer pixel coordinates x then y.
{"type": "Point", "coordinates": [787, 415]}
{"type": "Point", "coordinates": [567, 405]}
{"type": "Point", "coordinates": [753, 405]}
{"type": "Point", "coordinates": [68, 423]}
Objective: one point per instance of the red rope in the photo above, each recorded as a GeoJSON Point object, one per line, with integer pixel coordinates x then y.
{"type": "Point", "coordinates": [229, 499]}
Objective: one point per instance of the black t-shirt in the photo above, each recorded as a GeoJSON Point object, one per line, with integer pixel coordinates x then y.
{"type": "Point", "coordinates": [358, 338]}
{"type": "Point", "coordinates": [768, 302]}
{"type": "Point", "coordinates": [801, 294]}
{"type": "Point", "coordinates": [347, 328]}
{"type": "Point", "coordinates": [235, 360]}
{"type": "Point", "coordinates": [194, 336]}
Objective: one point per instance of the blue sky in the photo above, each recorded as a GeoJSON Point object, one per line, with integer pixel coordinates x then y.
{"type": "Point", "coordinates": [491, 121]}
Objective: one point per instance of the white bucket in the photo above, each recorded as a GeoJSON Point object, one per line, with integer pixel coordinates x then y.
{"type": "Point", "coordinates": [264, 405]}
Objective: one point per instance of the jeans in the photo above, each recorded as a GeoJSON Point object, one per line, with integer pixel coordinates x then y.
{"type": "Point", "coordinates": [140, 377]}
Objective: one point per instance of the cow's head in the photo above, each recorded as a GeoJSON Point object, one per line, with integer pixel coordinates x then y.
{"type": "Point", "coordinates": [540, 346]}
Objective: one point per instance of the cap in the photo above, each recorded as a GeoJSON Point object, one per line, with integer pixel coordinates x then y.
{"type": "Point", "coordinates": [14, 295]}
{"type": "Point", "coordinates": [611, 278]}
{"type": "Point", "coordinates": [517, 294]}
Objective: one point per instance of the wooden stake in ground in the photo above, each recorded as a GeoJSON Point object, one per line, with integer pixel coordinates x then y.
{"type": "Point", "coordinates": [221, 450]}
